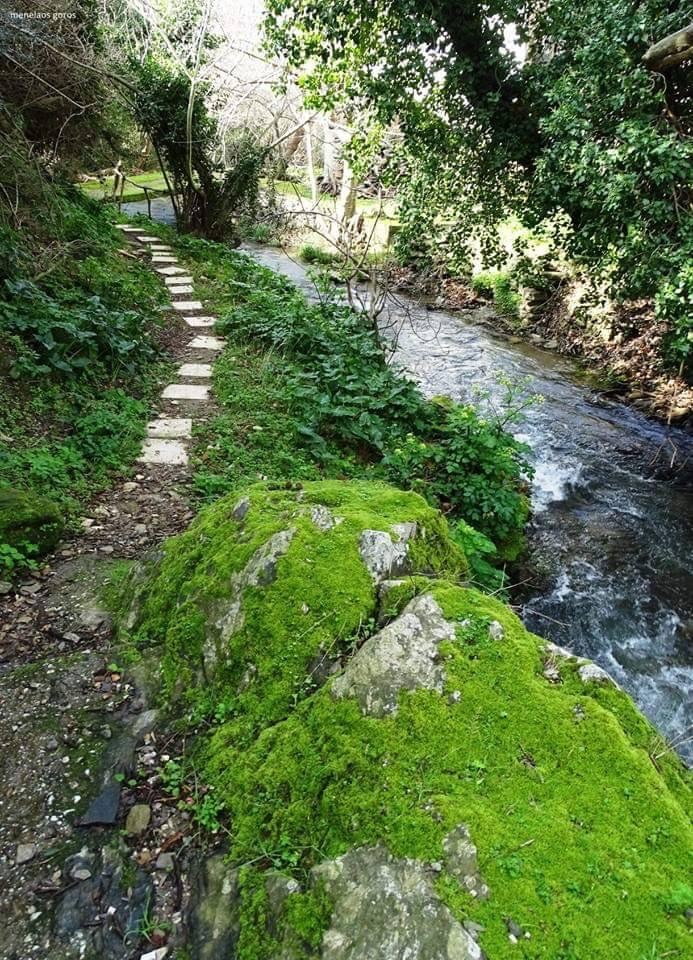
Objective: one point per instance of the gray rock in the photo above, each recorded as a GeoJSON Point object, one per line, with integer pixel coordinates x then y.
{"type": "Point", "coordinates": [25, 852]}
{"type": "Point", "coordinates": [120, 907]}
{"type": "Point", "coordinates": [591, 673]}
{"type": "Point", "coordinates": [103, 810]}
{"type": "Point", "coordinates": [240, 511]}
{"type": "Point", "coordinates": [213, 916]}
{"type": "Point", "coordinates": [323, 518]}
{"type": "Point", "coordinates": [461, 861]}
{"type": "Point", "coordinates": [384, 557]}
{"type": "Point", "coordinates": [138, 819]}
{"type": "Point", "coordinates": [165, 861]}
{"type": "Point", "coordinates": [495, 630]}
{"type": "Point", "coordinates": [402, 656]}
{"type": "Point", "coordinates": [388, 909]}
{"type": "Point", "coordinates": [5, 588]}
{"type": "Point", "coordinates": [144, 724]}
{"type": "Point", "coordinates": [260, 570]}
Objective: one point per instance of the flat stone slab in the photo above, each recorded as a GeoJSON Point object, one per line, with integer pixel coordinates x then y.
{"type": "Point", "coordinates": [143, 238]}
{"type": "Point", "coordinates": [155, 450]}
{"type": "Point", "coordinates": [127, 227]}
{"type": "Point", "coordinates": [176, 279]}
{"type": "Point", "coordinates": [103, 810]}
{"type": "Point", "coordinates": [170, 271]}
{"type": "Point", "coordinates": [180, 289]}
{"type": "Point", "coordinates": [160, 248]}
{"type": "Point", "coordinates": [186, 391]}
{"type": "Point", "coordinates": [200, 321]}
{"type": "Point", "coordinates": [207, 343]}
{"type": "Point", "coordinates": [170, 428]}
{"type": "Point", "coordinates": [184, 305]}
{"type": "Point", "coordinates": [203, 370]}
{"type": "Point", "coordinates": [164, 258]}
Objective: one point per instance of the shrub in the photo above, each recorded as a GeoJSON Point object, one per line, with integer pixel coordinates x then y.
{"type": "Point", "coordinates": [498, 285]}
{"type": "Point", "coordinates": [348, 399]}
{"type": "Point", "coordinates": [312, 254]}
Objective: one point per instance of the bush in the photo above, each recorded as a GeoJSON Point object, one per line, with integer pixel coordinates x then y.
{"type": "Point", "coordinates": [312, 254]}
{"type": "Point", "coordinates": [349, 401]}
{"type": "Point", "coordinates": [498, 285]}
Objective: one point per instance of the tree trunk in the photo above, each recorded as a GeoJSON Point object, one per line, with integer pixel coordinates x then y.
{"type": "Point", "coordinates": [671, 51]}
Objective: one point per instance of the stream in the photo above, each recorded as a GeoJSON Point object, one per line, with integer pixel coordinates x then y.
{"type": "Point", "coordinates": [614, 544]}
{"type": "Point", "coordinates": [611, 536]}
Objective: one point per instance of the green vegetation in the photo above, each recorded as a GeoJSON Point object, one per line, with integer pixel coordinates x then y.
{"type": "Point", "coordinates": [583, 837]}
{"type": "Point", "coordinates": [154, 182]}
{"type": "Point", "coordinates": [498, 285]}
{"type": "Point", "coordinates": [78, 366]}
{"type": "Point", "coordinates": [29, 525]}
{"type": "Point", "coordinates": [307, 392]}
{"type": "Point", "coordinates": [309, 253]}
{"type": "Point", "coordinates": [565, 128]}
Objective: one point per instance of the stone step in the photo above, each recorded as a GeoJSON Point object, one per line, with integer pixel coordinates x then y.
{"type": "Point", "coordinates": [143, 238]}
{"type": "Point", "coordinates": [164, 258]}
{"type": "Point", "coordinates": [160, 248]}
{"type": "Point", "coordinates": [207, 343]}
{"type": "Point", "coordinates": [180, 290]}
{"type": "Point", "coordinates": [185, 305]}
{"type": "Point", "coordinates": [171, 281]}
{"type": "Point", "coordinates": [156, 450]}
{"type": "Point", "coordinates": [186, 391]}
{"type": "Point", "coordinates": [202, 370]}
{"type": "Point", "coordinates": [170, 271]}
{"type": "Point", "coordinates": [126, 227]}
{"type": "Point", "coordinates": [170, 428]}
{"type": "Point", "coordinates": [200, 321]}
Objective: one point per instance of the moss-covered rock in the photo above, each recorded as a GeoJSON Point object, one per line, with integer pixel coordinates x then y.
{"type": "Point", "coordinates": [446, 767]}
{"type": "Point", "coordinates": [27, 519]}
{"type": "Point", "coordinates": [259, 600]}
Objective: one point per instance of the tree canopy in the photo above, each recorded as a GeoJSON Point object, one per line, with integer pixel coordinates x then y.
{"type": "Point", "coordinates": [567, 128]}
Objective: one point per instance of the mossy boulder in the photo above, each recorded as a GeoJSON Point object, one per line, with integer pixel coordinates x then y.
{"type": "Point", "coordinates": [28, 519]}
{"type": "Point", "coordinates": [448, 786]}
{"type": "Point", "coordinates": [257, 602]}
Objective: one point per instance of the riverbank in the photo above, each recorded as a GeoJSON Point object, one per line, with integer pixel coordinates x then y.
{"type": "Point", "coordinates": [622, 361]}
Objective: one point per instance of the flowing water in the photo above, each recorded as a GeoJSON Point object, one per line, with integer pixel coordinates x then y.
{"type": "Point", "coordinates": [611, 533]}
{"type": "Point", "coordinates": [614, 543]}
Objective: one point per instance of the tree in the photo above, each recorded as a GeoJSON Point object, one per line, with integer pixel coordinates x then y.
{"type": "Point", "coordinates": [567, 131]}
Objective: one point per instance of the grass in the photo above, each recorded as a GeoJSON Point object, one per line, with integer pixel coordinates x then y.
{"type": "Point", "coordinates": [154, 181]}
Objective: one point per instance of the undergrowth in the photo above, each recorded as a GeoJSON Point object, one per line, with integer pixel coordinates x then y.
{"type": "Point", "coordinates": [80, 361]}
{"type": "Point", "coordinates": [306, 392]}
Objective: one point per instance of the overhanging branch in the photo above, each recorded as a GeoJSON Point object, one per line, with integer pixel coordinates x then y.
{"type": "Point", "coordinates": [671, 51]}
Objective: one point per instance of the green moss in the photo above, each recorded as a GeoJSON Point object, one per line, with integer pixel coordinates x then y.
{"type": "Point", "coordinates": [498, 284]}
{"type": "Point", "coordinates": [28, 519]}
{"type": "Point", "coordinates": [306, 917]}
{"type": "Point", "coordinates": [582, 840]}
{"type": "Point", "coordinates": [307, 611]}
{"type": "Point", "coordinates": [583, 831]}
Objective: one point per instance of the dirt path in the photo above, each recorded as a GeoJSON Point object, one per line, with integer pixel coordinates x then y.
{"type": "Point", "coordinates": [81, 874]}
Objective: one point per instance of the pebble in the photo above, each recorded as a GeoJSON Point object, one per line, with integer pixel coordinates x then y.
{"type": "Point", "coordinates": [25, 852]}
{"type": "Point", "coordinates": [164, 861]}
{"type": "Point", "coordinates": [5, 588]}
{"type": "Point", "coordinates": [495, 630]}
{"type": "Point", "coordinates": [138, 819]}
{"type": "Point", "coordinates": [107, 549]}
{"type": "Point", "coordinates": [52, 745]}
{"type": "Point", "coordinates": [129, 486]}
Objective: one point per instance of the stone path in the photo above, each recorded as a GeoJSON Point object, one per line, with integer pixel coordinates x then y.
{"type": "Point", "coordinates": [66, 711]}
{"type": "Point", "coordinates": [168, 437]}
